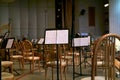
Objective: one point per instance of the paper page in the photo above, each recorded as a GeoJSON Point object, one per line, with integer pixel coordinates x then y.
{"type": "Point", "coordinates": [76, 42]}
{"type": "Point", "coordinates": [50, 37]}
{"type": "Point", "coordinates": [62, 36]}
{"type": "Point", "coordinates": [41, 41]}
{"type": "Point", "coordinates": [0, 40]}
{"type": "Point", "coordinates": [85, 41]}
{"type": "Point", "coordinates": [9, 43]}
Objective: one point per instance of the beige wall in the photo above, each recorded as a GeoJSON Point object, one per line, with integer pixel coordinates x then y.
{"type": "Point", "coordinates": [81, 21]}
{"type": "Point", "coordinates": [30, 18]}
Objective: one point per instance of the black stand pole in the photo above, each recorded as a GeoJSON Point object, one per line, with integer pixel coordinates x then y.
{"type": "Point", "coordinates": [80, 51]}
{"type": "Point", "coordinates": [57, 63]}
{"type": "Point", "coordinates": [73, 65]}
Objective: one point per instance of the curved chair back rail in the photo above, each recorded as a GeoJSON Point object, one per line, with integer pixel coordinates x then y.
{"type": "Point", "coordinates": [107, 43]}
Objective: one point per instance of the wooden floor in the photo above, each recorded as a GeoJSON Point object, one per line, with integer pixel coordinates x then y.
{"type": "Point", "coordinates": [86, 71]}
{"type": "Point", "coordinates": [39, 75]}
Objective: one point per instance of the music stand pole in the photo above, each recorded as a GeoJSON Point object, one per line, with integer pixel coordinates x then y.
{"type": "Point", "coordinates": [57, 63]}
{"type": "Point", "coordinates": [73, 65]}
{"type": "Point", "coordinates": [80, 51]}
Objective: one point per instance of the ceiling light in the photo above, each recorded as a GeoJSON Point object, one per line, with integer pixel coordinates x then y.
{"type": "Point", "coordinates": [106, 5]}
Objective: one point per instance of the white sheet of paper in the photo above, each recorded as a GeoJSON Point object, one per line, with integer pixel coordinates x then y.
{"type": "Point", "coordinates": [77, 42]}
{"type": "Point", "coordinates": [62, 36]}
{"type": "Point", "coordinates": [9, 43]}
{"type": "Point", "coordinates": [50, 37]}
{"type": "Point", "coordinates": [0, 39]}
{"type": "Point", "coordinates": [41, 41]}
{"type": "Point", "coordinates": [56, 37]}
{"type": "Point", "coordinates": [117, 44]}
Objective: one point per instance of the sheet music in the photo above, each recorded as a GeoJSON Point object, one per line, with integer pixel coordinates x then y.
{"type": "Point", "coordinates": [84, 41]}
{"type": "Point", "coordinates": [50, 37]}
{"type": "Point", "coordinates": [62, 36]}
{"type": "Point", "coordinates": [9, 43]}
{"type": "Point", "coordinates": [0, 40]}
{"type": "Point", "coordinates": [41, 41]}
{"type": "Point", "coordinates": [77, 42]}
{"type": "Point", "coordinates": [56, 37]}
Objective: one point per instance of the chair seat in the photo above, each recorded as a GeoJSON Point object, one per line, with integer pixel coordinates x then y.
{"type": "Point", "coordinates": [67, 57]}
{"type": "Point", "coordinates": [17, 56]}
{"type": "Point", "coordinates": [76, 53]}
{"type": "Point", "coordinates": [31, 58]}
{"type": "Point", "coordinates": [6, 63]}
{"type": "Point", "coordinates": [99, 63]}
{"type": "Point", "coordinates": [63, 63]}
{"type": "Point", "coordinates": [27, 53]}
{"type": "Point", "coordinates": [96, 78]}
{"type": "Point", "coordinates": [7, 76]}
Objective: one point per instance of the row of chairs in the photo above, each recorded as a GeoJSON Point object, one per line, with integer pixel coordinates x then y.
{"type": "Point", "coordinates": [24, 51]}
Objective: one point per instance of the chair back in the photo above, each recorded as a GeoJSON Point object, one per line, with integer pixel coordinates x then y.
{"type": "Point", "coordinates": [50, 52]}
{"type": "Point", "coordinates": [27, 48]}
{"type": "Point", "coordinates": [18, 46]}
{"type": "Point", "coordinates": [106, 44]}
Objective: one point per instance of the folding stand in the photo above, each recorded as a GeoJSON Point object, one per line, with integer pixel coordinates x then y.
{"type": "Point", "coordinates": [53, 36]}
{"type": "Point", "coordinates": [81, 43]}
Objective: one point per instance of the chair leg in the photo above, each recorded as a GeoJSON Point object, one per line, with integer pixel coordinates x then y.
{"type": "Point", "coordinates": [45, 73]}
{"type": "Point", "coordinates": [64, 71]}
{"type": "Point", "coordinates": [38, 65]}
{"type": "Point", "coordinates": [11, 68]}
{"type": "Point", "coordinates": [19, 60]}
{"type": "Point", "coordinates": [33, 65]}
{"type": "Point", "coordinates": [61, 73]}
{"type": "Point", "coordinates": [22, 63]}
{"type": "Point", "coordinates": [52, 74]}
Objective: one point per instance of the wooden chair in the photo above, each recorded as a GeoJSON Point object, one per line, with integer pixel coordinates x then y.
{"type": "Point", "coordinates": [50, 52]}
{"type": "Point", "coordinates": [69, 56]}
{"type": "Point", "coordinates": [28, 54]}
{"type": "Point", "coordinates": [107, 44]}
{"type": "Point", "coordinates": [17, 54]}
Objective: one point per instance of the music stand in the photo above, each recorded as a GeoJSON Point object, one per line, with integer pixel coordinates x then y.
{"type": "Point", "coordinates": [80, 42]}
{"type": "Point", "coordinates": [55, 36]}
{"type": "Point", "coordinates": [7, 44]}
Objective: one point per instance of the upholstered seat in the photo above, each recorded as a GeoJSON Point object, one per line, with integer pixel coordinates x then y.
{"type": "Point", "coordinates": [17, 56]}
{"type": "Point", "coordinates": [6, 64]}
{"type": "Point", "coordinates": [30, 58]}
{"type": "Point", "coordinates": [7, 76]}
{"type": "Point", "coordinates": [63, 63]}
